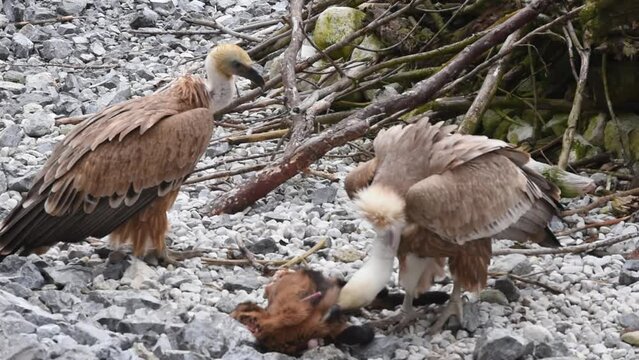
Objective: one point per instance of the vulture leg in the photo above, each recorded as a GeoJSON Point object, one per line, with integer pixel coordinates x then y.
{"type": "Point", "coordinates": [455, 307]}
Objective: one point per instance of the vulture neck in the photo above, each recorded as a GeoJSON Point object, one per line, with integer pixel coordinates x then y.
{"type": "Point", "coordinates": [219, 86]}
{"type": "Point", "coordinates": [370, 279]}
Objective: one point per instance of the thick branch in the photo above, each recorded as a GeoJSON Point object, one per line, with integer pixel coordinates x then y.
{"type": "Point", "coordinates": [487, 90]}
{"type": "Point", "coordinates": [358, 124]}
{"type": "Point", "coordinates": [568, 249]}
{"type": "Point", "coordinates": [299, 127]}
{"type": "Point", "coordinates": [573, 117]}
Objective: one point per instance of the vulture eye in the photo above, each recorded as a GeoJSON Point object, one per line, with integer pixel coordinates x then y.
{"type": "Point", "coordinates": [236, 64]}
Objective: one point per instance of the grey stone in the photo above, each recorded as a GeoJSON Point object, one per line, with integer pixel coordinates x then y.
{"type": "Point", "coordinates": [111, 316]}
{"type": "Point", "coordinates": [97, 49]}
{"type": "Point", "coordinates": [4, 52]}
{"type": "Point", "coordinates": [508, 288]}
{"type": "Point", "coordinates": [213, 334]}
{"type": "Point", "coordinates": [122, 93]}
{"type": "Point", "coordinates": [38, 13]}
{"type": "Point", "coordinates": [629, 321]}
{"type": "Point", "coordinates": [130, 299]}
{"type": "Point", "coordinates": [537, 333]}
{"type": "Point", "coordinates": [493, 296]}
{"type": "Point", "coordinates": [147, 18]}
{"type": "Point", "coordinates": [14, 10]}
{"type": "Point", "coordinates": [71, 7]}
{"type": "Point", "coordinates": [242, 282]}
{"type": "Point", "coordinates": [3, 181]}
{"type": "Point", "coordinates": [48, 330]}
{"type": "Point", "coordinates": [29, 276]}
{"type": "Point", "coordinates": [18, 290]}
{"type": "Point", "coordinates": [165, 6]}
{"type": "Point", "coordinates": [508, 263]}
{"type": "Point", "coordinates": [471, 319]}
{"type": "Point", "coordinates": [14, 323]}
{"type": "Point", "coordinates": [22, 183]}
{"type": "Point", "coordinates": [67, 29]}
{"type": "Point", "coordinates": [138, 274]}
{"type": "Point", "coordinates": [381, 347]}
{"type": "Point", "coordinates": [629, 273]}
{"type": "Point", "coordinates": [22, 347]}
{"type": "Point", "coordinates": [138, 325]}
{"type": "Point", "coordinates": [38, 124]}
{"type": "Point", "coordinates": [70, 274]}
{"type": "Point", "coordinates": [11, 136]}
{"type": "Point", "coordinates": [246, 352]}
{"type": "Point", "coordinates": [15, 88]}
{"type": "Point", "coordinates": [12, 263]}
{"type": "Point", "coordinates": [499, 344]}
{"type": "Point", "coordinates": [88, 334]}
{"type": "Point", "coordinates": [30, 312]}
{"type": "Point", "coordinates": [56, 49]}
{"type": "Point", "coordinates": [58, 301]}
{"type": "Point", "coordinates": [225, 4]}
{"type": "Point", "coordinates": [14, 76]}
{"type": "Point", "coordinates": [263, 246]}
{"type": "Point", "coordinates": [324, 195]}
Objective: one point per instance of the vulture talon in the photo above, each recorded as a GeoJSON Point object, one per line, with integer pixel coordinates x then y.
{"type": "Point", "coordinates": [455, 307]}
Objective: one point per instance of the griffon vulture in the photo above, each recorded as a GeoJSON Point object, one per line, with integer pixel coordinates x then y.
{"type": "Point", "coordinates": [119, 171]}
{"type": "Point", "coordinates": [432, 195]}
{"type": "Point", "coordinates": [300, 314]}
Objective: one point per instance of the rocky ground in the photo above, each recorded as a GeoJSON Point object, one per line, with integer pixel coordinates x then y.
{"type": "Point", "coordinates": [75, 303]}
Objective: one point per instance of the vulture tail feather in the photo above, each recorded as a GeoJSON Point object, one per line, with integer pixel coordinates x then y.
{"type": "Point", "coordinates": [30, 228]}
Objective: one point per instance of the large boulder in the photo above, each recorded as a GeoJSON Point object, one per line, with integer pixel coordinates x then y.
{"type": "Point", "coordinates": [333, 25]}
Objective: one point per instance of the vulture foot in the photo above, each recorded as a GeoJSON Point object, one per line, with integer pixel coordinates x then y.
{"type": "Point", "coordinates": [455, 308]}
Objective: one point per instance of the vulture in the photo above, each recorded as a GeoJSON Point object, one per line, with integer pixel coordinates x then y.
{"type": "Point", "coordinates": [300, 314]}
{"type": "Point", "coordinates": [431, 195]}
{"type": "Point", "coordinates": [119, 171]}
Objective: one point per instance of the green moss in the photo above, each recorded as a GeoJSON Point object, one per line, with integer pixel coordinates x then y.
{"type": "Point", "coordinates": [502, 130]}
{"type": "Point", "coordinates": [556, 125]}
{"type": "Point", "coordinates": [490, 121]}
{"type": "Point", "coordinates": [369, 42]}
{"type": "Point", "coordinates": [582, 149]}
{"type": "Point", "coordinates": [594, 132]}
{"type": "Point", "coordinates": [334, 24]}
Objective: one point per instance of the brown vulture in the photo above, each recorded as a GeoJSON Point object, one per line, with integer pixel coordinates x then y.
{"type": "Point", "coordinates": [430, 195]}
{"type": "Point", "coordinates": [119, 171]}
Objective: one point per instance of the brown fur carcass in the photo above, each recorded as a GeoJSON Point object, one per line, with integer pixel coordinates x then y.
{"type": "Point", "coordinates": [300, 314]}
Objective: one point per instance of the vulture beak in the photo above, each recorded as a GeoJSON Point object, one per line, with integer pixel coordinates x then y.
{"type": "Point", "coordinates": [249, 72]}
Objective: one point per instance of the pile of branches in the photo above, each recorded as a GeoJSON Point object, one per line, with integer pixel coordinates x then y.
{"type": "Point", "coordinates": [477, 54]}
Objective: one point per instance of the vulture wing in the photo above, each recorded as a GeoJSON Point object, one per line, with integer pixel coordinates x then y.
{"type": "Point", "coordinates": [107, 169]}
{"type": "Point", "coordinates": [464, 187]}
{"type": "Point", "coordinates": [360, 177]}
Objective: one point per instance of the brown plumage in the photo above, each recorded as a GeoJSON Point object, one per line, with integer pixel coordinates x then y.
{"type": "Point", "coordinates": [299, 314]}
{"type": "Point", "coordinates": [456, 193]}
{"type": "Point", "coordinates": [119, 171]}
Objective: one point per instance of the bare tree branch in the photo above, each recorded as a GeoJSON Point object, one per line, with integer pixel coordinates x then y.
{"type": "Point", "coordinates": [358, 123]}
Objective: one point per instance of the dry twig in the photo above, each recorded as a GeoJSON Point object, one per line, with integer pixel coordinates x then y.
{"type": "Point", "coordinates": [573, 117]}
{"type": "Point", "coordinates": [599, 202]}
{"type": "Point", "coordinates": [576, 249]}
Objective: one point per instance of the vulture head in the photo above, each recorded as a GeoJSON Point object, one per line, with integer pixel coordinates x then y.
{"type": "Point", "coordinates": [227, 60]}
{"type": "Point", "coordinates": [384, 209]}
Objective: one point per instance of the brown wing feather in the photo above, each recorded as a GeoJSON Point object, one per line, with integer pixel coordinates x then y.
{"type": "Point", "coordinates": [479, 199]}
{"type": "Point", "coordinates": [360, 177]}
{"type": "Point", "coordinates": [72, 194]}
{"type": "Point", "coordinates": [420, 150]}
